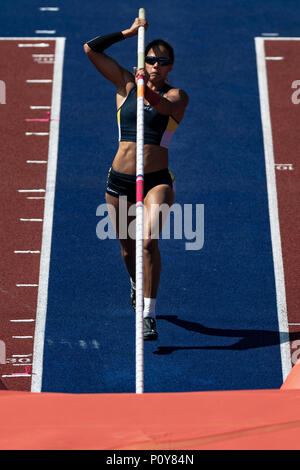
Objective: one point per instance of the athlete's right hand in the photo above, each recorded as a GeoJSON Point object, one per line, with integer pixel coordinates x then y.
{"type": "Point", "coordinates": [133, 30]}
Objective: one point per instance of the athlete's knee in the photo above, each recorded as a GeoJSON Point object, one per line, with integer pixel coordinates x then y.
{"type": "Point", "coordinates": [150, 245]}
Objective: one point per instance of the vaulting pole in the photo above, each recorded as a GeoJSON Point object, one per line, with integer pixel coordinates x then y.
{"type": "Point", "coordinates": [140, 213]}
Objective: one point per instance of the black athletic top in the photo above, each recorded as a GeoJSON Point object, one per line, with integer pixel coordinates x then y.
{"type": "Point", "coordinates": [158, 128]}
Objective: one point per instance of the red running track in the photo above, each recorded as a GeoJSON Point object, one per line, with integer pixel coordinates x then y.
{"type": "Point", "coordinates": [24, 136]}
{"type": "Point", "coordinates": [283, 74]}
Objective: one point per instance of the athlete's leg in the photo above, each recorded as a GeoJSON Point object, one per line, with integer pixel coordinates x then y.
{"type": "Point", "coordinates": [157, 198]}
{"type": "Point", "coordinates": [128, 243]}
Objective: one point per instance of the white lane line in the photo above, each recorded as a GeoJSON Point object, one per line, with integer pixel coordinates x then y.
{"type": "Point", "coordinates": [31, 220]}
{"type": "Point", "coordinates": [27, 285]}
{"type": "Point", "coordinates": [32, 197]}
{"type": "Point", "coordinates": [274, 58]}
{"type": "Point", "coordinates": [37, 133]}
{"type": "Point", "coordinates": [45, 31]}
{"type": "Point", "coordinates": [286, 362]}
{"type": "Point", "coordinates": [31, 190]}
{"type": "Point", "coordinates": [40, 107]}
{"type": "Point", "coordinates": [39, 80]}
{"type": "Point", "coordinates": [39, 334]}
{"type": "Point", "coordinates": [41, 44]}
{"type": "Point", "coordinates": [294, 324]}
{"type": "Point", "coordinates": [270, 34]}
{"type": "Point", "coordinates": [36, 161]}
{"type": "Point", "coordinates": [16, 375]}
{"type": "Point", "coordinates": [21, 355]}
{"type": "Point", "coordinates": [22, 337]}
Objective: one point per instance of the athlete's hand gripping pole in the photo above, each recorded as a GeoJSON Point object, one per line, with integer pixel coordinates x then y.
{"type": "Point", "coordinates": [140, 212]}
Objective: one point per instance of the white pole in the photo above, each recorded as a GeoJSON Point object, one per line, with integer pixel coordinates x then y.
{"type": "Point", "coordinates": [140, 213]}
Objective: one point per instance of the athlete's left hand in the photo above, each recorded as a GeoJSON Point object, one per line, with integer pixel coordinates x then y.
{"type": "Point", "coordinates": [142, 72]}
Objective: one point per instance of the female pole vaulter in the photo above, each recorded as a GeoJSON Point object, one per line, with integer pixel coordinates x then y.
{"type": "Point", "coordinates": [164, 108]}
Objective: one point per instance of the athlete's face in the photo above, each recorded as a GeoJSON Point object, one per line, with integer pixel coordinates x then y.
{"type": "Point", "coordinates": [156, 71]}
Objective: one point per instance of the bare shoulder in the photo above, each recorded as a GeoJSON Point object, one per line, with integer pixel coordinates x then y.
{"type": "Point", "coordinates": [177, 94]}
{"type": "Point", "coordinates": [179, 100]}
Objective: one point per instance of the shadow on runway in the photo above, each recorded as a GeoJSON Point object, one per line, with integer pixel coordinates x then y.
{"type": "Point", "coordinates": [249, 339]}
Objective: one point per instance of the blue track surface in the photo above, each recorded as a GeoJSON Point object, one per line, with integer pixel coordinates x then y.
{"type": "Point", "coordinates": [217, 316]}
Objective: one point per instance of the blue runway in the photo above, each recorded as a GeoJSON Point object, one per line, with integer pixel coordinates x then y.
{"type": "Point", "coordinates": [217, 314]}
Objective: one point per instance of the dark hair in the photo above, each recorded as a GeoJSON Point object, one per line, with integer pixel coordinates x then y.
{"type": "Point", "coordinates": [161, 42]}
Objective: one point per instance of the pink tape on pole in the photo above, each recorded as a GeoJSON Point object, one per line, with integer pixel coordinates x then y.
{"type": "Point", "coordinates": [139, 188]}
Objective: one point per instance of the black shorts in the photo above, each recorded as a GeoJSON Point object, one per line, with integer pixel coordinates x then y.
{"type": "Point", "coordinates": [121, 184]}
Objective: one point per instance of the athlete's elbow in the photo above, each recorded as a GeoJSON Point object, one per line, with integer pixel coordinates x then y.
{"type": "Point", "coordinates": [86, 48]}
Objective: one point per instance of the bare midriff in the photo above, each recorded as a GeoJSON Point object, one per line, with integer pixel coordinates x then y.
{"type": "Point", "coordinates": [155, 158]}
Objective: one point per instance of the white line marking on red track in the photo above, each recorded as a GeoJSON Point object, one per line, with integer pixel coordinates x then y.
{"type": "Point", "coordinates": [274, 58]}
{"type": "Point", "coordinates": [40, 59]}
{"type": "Point", "coordinates": [41, 44]}
{"type": "Point", "coordinates": [284, 166]}
{"type": "Point", "coordinates": [37, 133]}
{"type": "Point", "coordinates": [39, 80]}
{"type": "Point", "coordinates": [22, 337]}
{"type": "Point", "coordinates": [31, 220]}
{"type": "Point", "coordinates": [294, 324]}
{"type": "Point", "coordinates": [27, 285]}
{"type": "Point", "coordinates": [286, 361]}
{"type": "Point", "coordinates": [36, 161]}
{"type": "Point", "coordinates": [39, 334]}
{"type": "Point", "coordinates": [40, 107]}
{"type": "Point", "coordinates": [32, 197]}
{"type": "Point", "coordinates": [16, 375]}
{"type": "Point", "coordinates": [21, 355]}
{"type": "Point", "coordinates": [31, 190]}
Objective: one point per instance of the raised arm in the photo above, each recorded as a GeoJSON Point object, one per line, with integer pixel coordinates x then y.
{"type": "Point", "coordinates": [107, 66]}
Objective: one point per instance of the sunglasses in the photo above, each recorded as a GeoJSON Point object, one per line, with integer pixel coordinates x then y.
{"type": "Point", "coordinates": [161, 60]}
